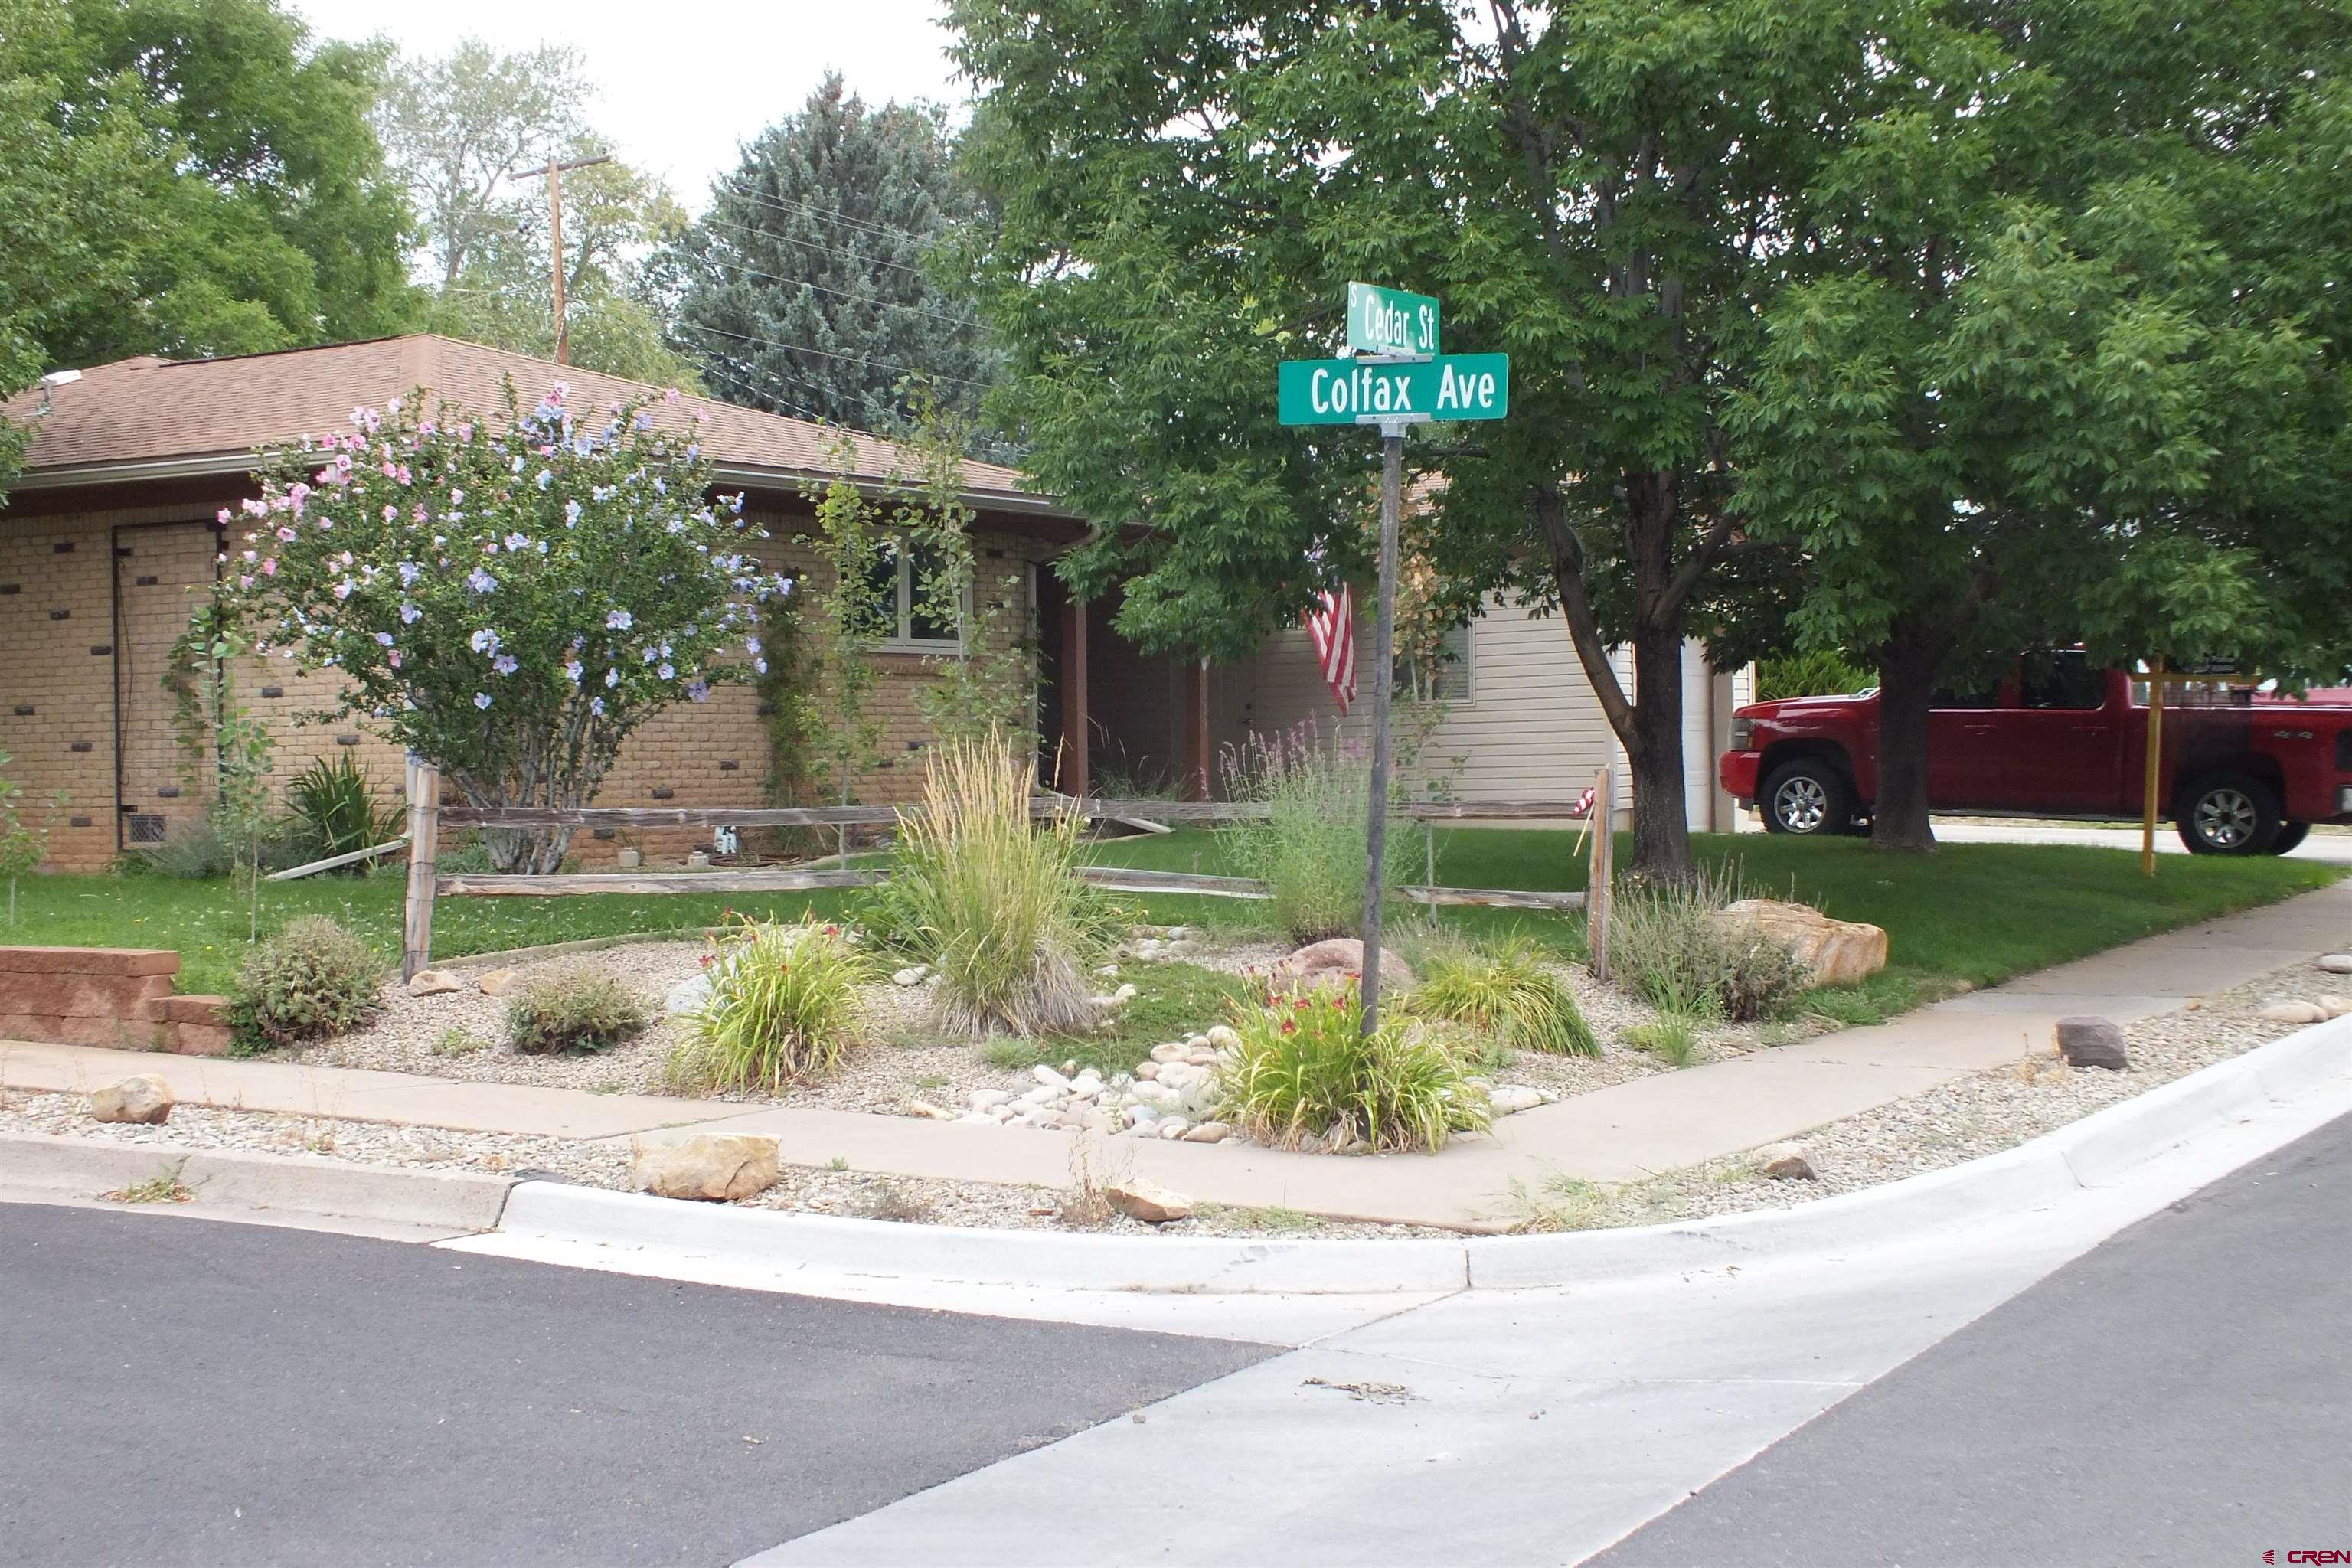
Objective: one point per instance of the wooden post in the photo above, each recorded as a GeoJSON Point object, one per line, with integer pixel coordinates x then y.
{"type": "Point", "coordinates": [1383, 675]}
{"type": "Point", "coordinates": [1076, 770]}
{"type": "Point", "coordinates": [1597, 892]}
{"type": "Point", "coordinates": [1196, 731]}
{"type": "Point", "coordinates": [2153, 768]}
{"type": "Point", "coordinates": [555, 253]}
{"type": "Point", "coordinates": [424, 849]}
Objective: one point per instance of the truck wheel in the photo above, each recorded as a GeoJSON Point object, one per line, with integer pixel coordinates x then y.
{"type": "Point", "coordinates": [1808, 795]}
{"type": "Point", "coordinates": [2228, 814]}
{"type": "Point", "coordinates": [2289, 836]}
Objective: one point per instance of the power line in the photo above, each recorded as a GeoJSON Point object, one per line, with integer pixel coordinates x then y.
{"type": "Point", "coordinates": [838, 293]}
{"type": "Point", "coordinates": [785, 204]}
{"type": "Point", "coordinates": [810, 245]}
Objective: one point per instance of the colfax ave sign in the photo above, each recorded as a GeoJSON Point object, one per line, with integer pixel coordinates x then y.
{"type": "Point", "coordinates": [1360, 392]}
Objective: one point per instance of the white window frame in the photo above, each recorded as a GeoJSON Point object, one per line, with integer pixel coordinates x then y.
{"type": "Point", "coordinates": [1464, 668]}
{"type": "Point", "coordinates": [902, 638]}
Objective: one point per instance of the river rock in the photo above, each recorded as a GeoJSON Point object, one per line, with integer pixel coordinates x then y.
{"type": "Point", "coordinates": [2336, 963]}
{"type": "Point", "coordinates": [1325, 964]}
{"type": "Point", "coordinates": [989, 1098]}
{"type": "Point", "coordinates": [913, 974]}
{"type": "Point", "coordinates": [1222, 1038]}
{"type": "Point", "coordinates": [2088, 1042]}
{"type": "Point", "coordinates": [2295, 1012]}
{"type": "Point", "coordinates": [1208, 1133]}
{"type": "Point", "coordinates": [1047, 1077]}
{"type": "Point", "coordinates": [709, 1166]}
{"type": "Point", "coordinates": [434, 983]}
{"type": "Point", "coordinates": [1172, 1126]}
{"type": "Point", "coordinates": [1839, 953]}
{"type": "Point", "coordinates": [2336, 1006]}
{"type": "Point", "coordinates": [1508, 1097]}
{"type": "Point", "coordinates": [1148, 1201]}
{"type": "Point", "coordinates": [1147, 1071]}
{"type": "Point", "coordinates": [1785, 1163]}
{"type": "Point", "coordinates": [143, 1099]}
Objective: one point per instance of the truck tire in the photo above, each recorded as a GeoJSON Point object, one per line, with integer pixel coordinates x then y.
{"type": "Point", "coordinates": [1808, 796]}
{"type": "Point", "coordinates": [2228, 814]}
{"type": "Point", "coordinates": [2289, 836]}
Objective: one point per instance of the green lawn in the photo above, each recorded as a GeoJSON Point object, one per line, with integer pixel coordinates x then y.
{"type": "Point", "coordinates": [1973, 913]}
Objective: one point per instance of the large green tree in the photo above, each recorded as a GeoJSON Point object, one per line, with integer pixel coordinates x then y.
{"type": "Point", "coordinates": [229, 196]}
{"type": "Point", "coordinates": [1612, 193]}
{"type": "Point", "coordinates": [2079, 370]}
{"type": "Point", "coordinates": [809, 286]}
{"type": "Point", "coordinates": [466, 131]}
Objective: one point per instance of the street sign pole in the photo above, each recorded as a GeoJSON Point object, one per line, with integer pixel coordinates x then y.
{"type": "Point", "coordinates": [1376, 834]}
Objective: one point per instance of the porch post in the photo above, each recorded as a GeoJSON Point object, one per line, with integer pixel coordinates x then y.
{"type": "Point", "coordinates": [1076, 772]}
{"type": "Point", "coordinates": [1196, 731]}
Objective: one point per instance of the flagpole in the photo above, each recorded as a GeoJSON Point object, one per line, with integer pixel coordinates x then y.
{"type": "Point", "coordinates": [1383, 681]}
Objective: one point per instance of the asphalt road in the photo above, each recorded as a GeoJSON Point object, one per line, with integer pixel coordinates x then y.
{"type": "Point", "coordinates": [2180, 1394]}
{"type": "Point", "coordinates": [176, 1391]}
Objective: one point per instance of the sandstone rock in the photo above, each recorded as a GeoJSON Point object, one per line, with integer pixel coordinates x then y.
{"type": "Point", "coordinates": [2295, 1012]}
{"type": "Point", "coordinates": [2088, 1042]}
{"type": "Point", "coordinates": [498, 982]}
{"type": "Point", "coordinates": [1173, 1126]}
{"type": "Point", "coordinates": [1513, 1097]}
{"type": "Point", "coordinates": [708, 1167]}
{"type": "Point", "coordinates": [691, 994]}
{"type": "Point", "coordinates": [1839, 953]}
{"type": "Point", "coordinates": [1326, 964]}
{"type": "Point", "coordinates": [1222, 1038]}
{"type": "Point", "coordinates": [925, 1111]}
{"type": "Point", "coordinates": [143, 1099]}
{"type": "Point", "coordinates": [1148, 1201]}
{"type": "Point", "coordinates": [434, 983]}
{"type": "Point", "coordinates": [628, 859]}
{"type": "Point", "coordinates": [1785, 1163]}
{"type": "Point", "coordinates": [2336, 963]}
{"type": "Point", "coordinates": [1208, 1133]}
{"type": "Point", "coordinates": [2336, 1006]}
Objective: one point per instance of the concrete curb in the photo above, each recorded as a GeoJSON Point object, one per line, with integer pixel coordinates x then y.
{"type": "Point", "coordinates": [2313, 1064]}
{"type": "Point", "coordinates": [234, 1183]}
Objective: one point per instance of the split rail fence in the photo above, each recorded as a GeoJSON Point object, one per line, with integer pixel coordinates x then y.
{"type": "Point", "coordinates": [427, 816]}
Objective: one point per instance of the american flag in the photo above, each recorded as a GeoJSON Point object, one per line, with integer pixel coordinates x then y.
{"type": "Point", "coordinates": [1332, 625]}
{"type": "Point", "coordinates": [1585, 803]}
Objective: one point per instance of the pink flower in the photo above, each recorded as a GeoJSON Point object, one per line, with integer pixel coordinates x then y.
{"type": "Point", "coordinates": [270, 567]}
{"type": "Point", "coordinates": [244, 582]}
{"type": "Point", "coordinates": [286, 535]}
{"type": "Point", "coordinates": [222, 516]}
{"type": "Point", "coordinates": [393, 658]}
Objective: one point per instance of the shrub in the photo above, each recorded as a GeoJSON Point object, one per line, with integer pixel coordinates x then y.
{"type": "Point", "coordinates": [1310, 848]}
{"type": "Point", "coordinates": [1507, 992]}
{"type": "Point", "coordinates": [783, 1005]}
{"type": "Point", "coordinates": [1666, 950]}
{"type": "Point", "coordinates": [208, 848]}
{"type": "Point", "coordinates": [1672, 1038]}
{"type": "Point", "coordinates": [313, 980]}
{"type": "Point", "coordinates": [335, 802]}
{"type": "Point", "coordinates": [1816, 674]}
{"type": "Point", "coordinates": [993, 900]}
{"type": "Point", "coordinates": [571, 1007]}
{"type": "Point", "coordinates": [1307, 1075]}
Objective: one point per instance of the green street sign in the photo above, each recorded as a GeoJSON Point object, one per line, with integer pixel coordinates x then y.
{"type": "Point", "coordinates": [1355, 392]}
{"type": "Point", "coordinates": [1389, 321]}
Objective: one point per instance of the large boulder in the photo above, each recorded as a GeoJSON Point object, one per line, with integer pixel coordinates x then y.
{"type": "Point", "coordinates": [1838, 952]}
{"type": "Point", "coordinates": [691, 994]}
{"type": "Point", "coordinates": [2088, 1042]}
{"type": "Point", "coordinates": [1325, 964]}
{"type": "Point", "coordinates": [1148, 1201]}
{"type": "Point", "coordinates": [706, 1166]}
{"type": "Point", "coordinates": [146, 1100]}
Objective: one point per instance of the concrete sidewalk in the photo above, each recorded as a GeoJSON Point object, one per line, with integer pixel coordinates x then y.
{"type": "Point", "coordinates": [1624, 1132]}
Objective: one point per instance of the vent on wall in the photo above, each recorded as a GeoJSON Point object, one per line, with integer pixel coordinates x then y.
{"type": "Point", "coordinates": [145, 827]}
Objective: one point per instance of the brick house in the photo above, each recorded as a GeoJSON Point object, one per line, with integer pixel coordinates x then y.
{"type": "Point", "coordinates": [109, 532]}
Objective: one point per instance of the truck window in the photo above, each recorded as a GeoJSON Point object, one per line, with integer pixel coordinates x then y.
{"type": "Point", "coordinates": [2063, 678]}
{"type": "Point", "coordinates": [1987, 695]}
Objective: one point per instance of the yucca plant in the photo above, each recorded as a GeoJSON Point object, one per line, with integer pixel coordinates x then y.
{"type": "Point", "coordinates": [994, 901]}
{"type": "Point", "coordinates": [1506, 992]}
{"type": "Point", "coordinates": [782, 1007]}
{"type": "Point", "coordinates": [336, 802]}
{"type": "Point", "coordinates": [1305, 1076]}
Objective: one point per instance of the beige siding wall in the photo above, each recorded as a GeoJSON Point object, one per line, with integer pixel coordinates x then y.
{"type": "Point", "coordinates": [62, 681]}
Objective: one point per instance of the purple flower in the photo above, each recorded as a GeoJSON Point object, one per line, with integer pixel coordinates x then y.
{"type": "Point", "coordinates": [546, 477]}
{"type": "Point", "coordinates": [481, 700]}
{"type": "Point", "coordinates": [479, 581]}
{"type": "Point", "coordinates": [596, 706]}
{"type": "Point", "coordinates": [760, 665]}
{"type": "Point", "coordinates": [409, 572]}
{"type": "Point", "coordinates": [571, 513]}
{"type": "Point", "coordinates": [408, 614]}
{"type": "Point", "coordinates": [505, 664]}
{"type": "Point", "coordinates": [668, 671]}
{"type": "Point", "coordinates": [698, 690]}
{"type": "Point", "coordinates": [618, 620]}
{"type": "Point", "coordinates": [384, 640]}
{"type": "Point", "coordinates": [518, 541]}
{"type": "Point", "coordinates": [484, 641]}
{"type": "Point", "coordinates": [612, 679]}
{"type": "Point", "coordinates": [344, 589]}
{"type": "Point", "coordinates": [751, 644]}
{"type": "Point", "coordinates": [572, 671]}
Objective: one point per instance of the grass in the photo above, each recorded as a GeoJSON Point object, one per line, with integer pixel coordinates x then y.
{"type": "Point", "coordinates": [1672, 1040]}
{"type": "Point", "coordinates": [163, 1187]}
{"type": "Point", "coordinates": [1969, 915]}
{"type": "Point", "coordinates": [1171, 1000]}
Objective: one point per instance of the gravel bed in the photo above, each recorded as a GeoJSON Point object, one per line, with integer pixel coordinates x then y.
{"type": "Point", "coordinates": [1962, 1119]}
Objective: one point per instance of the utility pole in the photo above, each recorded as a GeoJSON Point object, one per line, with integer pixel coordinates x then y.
{"type": "Point", "coordinates": [554, 172]}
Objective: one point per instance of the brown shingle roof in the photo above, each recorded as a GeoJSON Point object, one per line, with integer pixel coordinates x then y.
{"type": "Point", "coordinates": [149, 410]}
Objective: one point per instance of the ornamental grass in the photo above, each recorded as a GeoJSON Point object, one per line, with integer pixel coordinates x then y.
{"type": "Point", "coordinates": [783, 1008]}
{"type": "Point", "coordinates": [1304, 1076]}
{"type": "Point", "coordinates": [993, 900]}
{"type": "Point", "coordinates": [1506, 992]}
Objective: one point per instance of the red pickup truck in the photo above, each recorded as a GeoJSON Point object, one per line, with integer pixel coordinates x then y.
{"type": "Point", "coordinates": [2242, 772]}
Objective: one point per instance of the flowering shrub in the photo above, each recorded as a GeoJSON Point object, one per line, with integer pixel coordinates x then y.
{"type": "Point", "coordinates": [508, 601]}
{"type": "Point", "coordinates": [1304, 1075]}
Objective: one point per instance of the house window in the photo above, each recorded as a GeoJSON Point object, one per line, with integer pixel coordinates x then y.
{"type": "Point", "coordinates": [1445, 677]}
{"type": "Point", "coordinates": [897, 575]}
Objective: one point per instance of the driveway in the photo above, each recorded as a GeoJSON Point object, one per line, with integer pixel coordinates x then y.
{"type": "Point", "coordinates": [2333, 848]}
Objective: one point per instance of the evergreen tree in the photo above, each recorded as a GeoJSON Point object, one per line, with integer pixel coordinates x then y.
{"type": "Point", "coordinates": [807, 288]}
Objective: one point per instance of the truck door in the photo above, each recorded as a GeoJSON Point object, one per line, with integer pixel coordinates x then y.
{"type": "Point", "coordinates": [1963, 749]}
{"type": "Point", "coordinates": [2062, 749]}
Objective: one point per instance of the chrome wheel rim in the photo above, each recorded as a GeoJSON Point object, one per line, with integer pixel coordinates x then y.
{"type": "Point", "coordinates": [1801, 805]}
{"type": "Point", "coordinates": [2225, 818]}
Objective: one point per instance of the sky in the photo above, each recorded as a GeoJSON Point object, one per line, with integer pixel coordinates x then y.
{"type": "Point", "coordinates": [679, 84]}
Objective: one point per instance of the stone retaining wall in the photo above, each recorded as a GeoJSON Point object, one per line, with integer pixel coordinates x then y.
{"type": "Point", "coordinates": [116, 997]}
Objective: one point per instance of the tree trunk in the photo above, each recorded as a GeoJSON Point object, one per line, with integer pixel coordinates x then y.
{"type": "Point", "coordinates": [1662, 848]}
{"type": "Point", "coordinates": [1907, 665]}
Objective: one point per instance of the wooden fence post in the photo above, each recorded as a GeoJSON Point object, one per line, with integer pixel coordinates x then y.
{"type": "Point", "coordinates": [424, 848]}
{"type": "Point", "coordinates": [1597, 882]}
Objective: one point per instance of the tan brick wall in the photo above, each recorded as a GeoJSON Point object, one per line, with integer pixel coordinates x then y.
{"type": "Point", "coordinates": [47, 664]}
